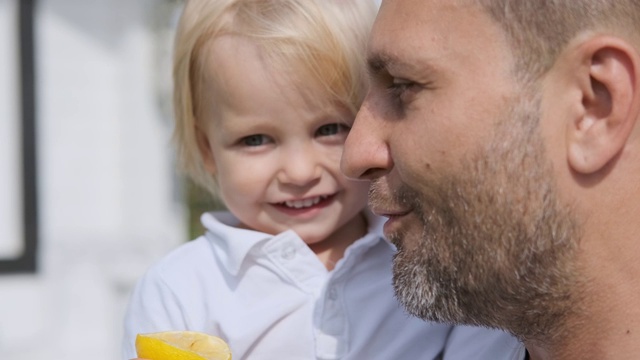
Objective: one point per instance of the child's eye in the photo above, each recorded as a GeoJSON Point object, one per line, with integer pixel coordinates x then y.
{"type": "Point", "coordinates": [254, 140]}
{"type": "Point", "coordinates": [331, 129]}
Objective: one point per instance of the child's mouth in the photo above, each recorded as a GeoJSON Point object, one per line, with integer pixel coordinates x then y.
{"type": "Point", "coordinates": [305, 204]}
{"type": "Point", "coordinates": [300, 204]}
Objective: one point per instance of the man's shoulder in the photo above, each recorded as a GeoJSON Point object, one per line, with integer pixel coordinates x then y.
{"type": "Point", "coordinates": [470, 342]}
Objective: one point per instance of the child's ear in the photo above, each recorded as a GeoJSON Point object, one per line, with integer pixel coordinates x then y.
{"type": "Point", "coordinates": [205, 150]}
{"type": "Point", "coordinates": [610, 103]}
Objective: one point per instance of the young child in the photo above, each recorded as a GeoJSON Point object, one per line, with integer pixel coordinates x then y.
{"type": "Point", "coordinates": [265, 92]}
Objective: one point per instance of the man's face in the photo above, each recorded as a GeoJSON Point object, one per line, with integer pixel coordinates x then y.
{"type": "Point", "coordinates": [453, 144]}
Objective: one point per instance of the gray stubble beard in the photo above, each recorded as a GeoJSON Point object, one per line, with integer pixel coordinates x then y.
{"type": "Point", "coordinates": [497, 248]}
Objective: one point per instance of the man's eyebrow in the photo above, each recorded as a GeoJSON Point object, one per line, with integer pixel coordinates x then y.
{"type": "Point", "coordinates": [377, 63]}
{"type": "Point", "coordinates": [382, 63]}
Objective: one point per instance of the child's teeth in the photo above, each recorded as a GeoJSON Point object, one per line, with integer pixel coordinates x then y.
{"type": "Point", "coordinates": [298, 204]}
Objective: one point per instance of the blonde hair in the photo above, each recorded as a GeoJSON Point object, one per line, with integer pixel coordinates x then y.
{"type": "Point", "coordinates": [321, 41]}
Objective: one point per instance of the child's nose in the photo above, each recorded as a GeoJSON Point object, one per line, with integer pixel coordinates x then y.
{"type": "Point", "coordinates": [300, 167]}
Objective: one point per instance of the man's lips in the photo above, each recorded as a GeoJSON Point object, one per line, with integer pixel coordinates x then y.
{"type": "Point", "coordinates": [385, 200]}
{"type": "Point", "coordinates": [388, 212]}
{"type": "Point", "coordinates": [394, 216]}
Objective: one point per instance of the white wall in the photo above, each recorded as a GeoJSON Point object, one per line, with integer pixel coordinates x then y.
{"type": "Point", "coordinates": [109, 200]}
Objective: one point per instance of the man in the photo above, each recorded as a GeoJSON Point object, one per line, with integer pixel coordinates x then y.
{"type": "Point", "coordinates": [503, 143]}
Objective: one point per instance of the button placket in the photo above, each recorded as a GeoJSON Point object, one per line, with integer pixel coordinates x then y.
{"type": "Point", "coordinates": [331, 328]}
{"type": "Point", "coordinates": [333, 293]}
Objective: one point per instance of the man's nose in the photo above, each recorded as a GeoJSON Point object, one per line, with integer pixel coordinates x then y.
{"type": "Point", "coordinates": [366, 152]}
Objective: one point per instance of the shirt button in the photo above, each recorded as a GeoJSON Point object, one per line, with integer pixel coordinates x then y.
{"type": "Point", "coordinates": [288, 252]}
{"type": "Point", "coordinates": [333, 294]}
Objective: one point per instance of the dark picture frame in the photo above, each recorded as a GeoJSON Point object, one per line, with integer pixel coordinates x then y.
{"type": "Point", "coordinates": [26, 261]}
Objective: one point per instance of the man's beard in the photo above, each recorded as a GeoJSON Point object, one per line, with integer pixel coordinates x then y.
{"type": "Point", "coordinates": [496, 247]}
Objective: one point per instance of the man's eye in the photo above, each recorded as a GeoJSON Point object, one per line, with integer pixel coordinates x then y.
{"type": "Point", "coordinates": [398, 88]}
{"type": "Point", "coordinates": [254, 140]}
{"type": "Point", "coordinates": [331, 129]}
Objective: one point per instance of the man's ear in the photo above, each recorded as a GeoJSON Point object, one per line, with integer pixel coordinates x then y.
{"type": "Point", "coordinates": [204, 146]}
{"type": "Point", "coordinates": [610, 101]}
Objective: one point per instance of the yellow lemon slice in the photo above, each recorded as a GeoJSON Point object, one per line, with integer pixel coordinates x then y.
{"type": "Point", "coordinates": [181, 345]}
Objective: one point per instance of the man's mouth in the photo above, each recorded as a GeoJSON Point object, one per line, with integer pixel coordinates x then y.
{"type": "Point", "coordinates": [389, 212]}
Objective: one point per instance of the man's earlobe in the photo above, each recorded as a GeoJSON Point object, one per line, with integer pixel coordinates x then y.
{"type": "Point", "coordinates": [610, 101]}
{"type": "Point", "coordinates": [205, 150]}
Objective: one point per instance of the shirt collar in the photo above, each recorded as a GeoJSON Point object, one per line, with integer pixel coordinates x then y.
{"type": "Point", "coordinates": [372, 238]}
{"type": "Point", "coordinates": [376, 226]}
{"type": "Point", "coordinates": [235, 243]}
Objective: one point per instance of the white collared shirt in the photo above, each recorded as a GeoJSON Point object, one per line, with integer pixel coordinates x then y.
{"type": "Point", "coordinates": [469, 342]}
{"type": "Point", "coordinates": [270, 297]}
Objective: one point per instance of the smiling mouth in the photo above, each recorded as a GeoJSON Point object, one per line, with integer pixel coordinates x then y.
{"type": "Point", "coordinates": [305, 203]}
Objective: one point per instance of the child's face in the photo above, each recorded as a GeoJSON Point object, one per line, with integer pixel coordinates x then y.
{"type": "Point", "coordinates": [274, 153]}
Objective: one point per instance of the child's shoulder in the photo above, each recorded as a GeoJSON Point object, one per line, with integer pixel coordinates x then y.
{"type": "Point", "coordinates": [191, 257]}
{"type": "Point", "coordinates": [198, 257]}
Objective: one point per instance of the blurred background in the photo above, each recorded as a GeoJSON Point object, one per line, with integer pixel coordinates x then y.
{"type": "Point", "coordinates": [89, 197]}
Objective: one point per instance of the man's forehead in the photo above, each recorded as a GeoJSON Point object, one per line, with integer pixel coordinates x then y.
{"type": "Point", "coordinates": [399, 27]}
{"type": "Point", "coordinates": [395, 15]}
{"type": "Point", "coordinates": [423, 40]}
{"type": "Point", "coordinates": [403, 26]}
